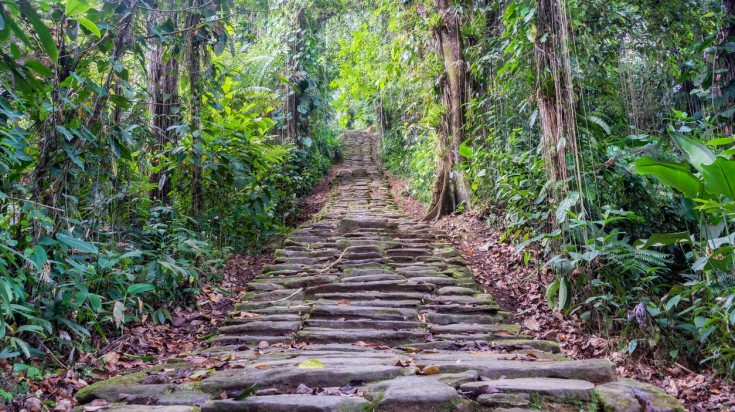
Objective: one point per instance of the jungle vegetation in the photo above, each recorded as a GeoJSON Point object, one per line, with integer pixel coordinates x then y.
{"type": "Point", "coordinates": [144, 141]}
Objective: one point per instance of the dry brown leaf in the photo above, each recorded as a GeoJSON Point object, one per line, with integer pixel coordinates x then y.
{"type": "Point", "coordinates": [427, 370]}
{"type": "Point", "coordinates": [111, 359]}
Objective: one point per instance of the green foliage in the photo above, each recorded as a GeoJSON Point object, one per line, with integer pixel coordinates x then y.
{"type": "Point", "coordinates": [105, 216]}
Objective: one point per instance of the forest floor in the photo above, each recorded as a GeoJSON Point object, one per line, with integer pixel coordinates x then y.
{"type": "Point", "coordinates": [520, 289]}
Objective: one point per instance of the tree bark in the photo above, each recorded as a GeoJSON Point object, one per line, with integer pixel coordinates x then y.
{"type": "Point", "coordinates": [725, 81]}
{"type": "Point", "coordinates": [298, 78]}
{"type": "Point", "coordinates": [164, 91]}
{"type": "Point", "coordinates": [194, 51]}
{"type": "Point", "coordinates": [449, 189]}
{"type": "Point", "coordinates": [555, 93]}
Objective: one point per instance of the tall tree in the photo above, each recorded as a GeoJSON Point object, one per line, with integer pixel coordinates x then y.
{"type": "Point", "coordinates": [555, 92]}
{"type": "Point", "coordinates": [194, 53]}
{"type": "Point", "coordinates": [449, 189]}
{"type": "Point", "coordinates": [163, 72]}
{"type": "Point", "coordinates": [725, 65]}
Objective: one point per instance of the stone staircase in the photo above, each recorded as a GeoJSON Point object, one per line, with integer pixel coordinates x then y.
{"type": "Point", "coordinates": [368, 310]}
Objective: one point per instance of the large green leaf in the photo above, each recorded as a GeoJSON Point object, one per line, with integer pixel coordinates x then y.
{"type": "Point", "coordinates": [719, 177]}
{"type": "Point", "coordinates": [89, 25]}
{"type": "Point", "coordinates": [697, 153]}
{"type": "Point", "coordinates": [78, 244]}
{"type": "Point", "coordinates": [44, 35]}
{"type": "Point", "coordinates": [664, 239]}
{"type": "Point", "coordinates": [676, 175]}
{"type": "Point", "coordinates": [465, 150]}
{"type": "Point", "coordinates": [136, 288]}
{"type": "Point", "coordinates": [76, 6]}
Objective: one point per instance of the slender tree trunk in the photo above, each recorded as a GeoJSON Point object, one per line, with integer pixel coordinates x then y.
{"type": "Point", "coordinates": [449, 189]}
{"type": "Point", "coordinates": [725, 81]}
{"type": "Point", "coordinates": [194, 51]}
{"type": "Point", "coordinates": [164, 90]}
{"type": "Point", "coordinates": [296, 77]}
{"type": "Point", "coordinates": [555, 94]}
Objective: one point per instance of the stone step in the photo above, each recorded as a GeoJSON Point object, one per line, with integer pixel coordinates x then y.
{"type": "Point", "coordinates": [287, 379]}
{"type": "Point", "coordinates": [448, 319]}
{"type": "Point", "coordinates": [252, 317]}
{"type": "Point", "coordinates": [262, 327]}
{"type": "Point", "coordinates": [558, 389]}
{"type": "Point", "coordinates": [453, 290]}
{"type": "Point", "coordinates": [288, 403]}
{"type": "Point", "coordinates": [372, 303]}
{"type": "Point", "coordinates": [363, 324]}
{"type": "Point", "coordinates": [372, 278]}
{"type": "Point", "coordinates": [461, 309]}
{"type": "Point", "coordinates": [382, 286]}
{"type": "Point", "coordinates": [386, 337]}
{"type": "Point", "coordinates": [251, 339]}
{"type": "Point", "coordinates": [418, 296]}
{"type": "Point", "coordinates": [350, 312]}
{"type": "Point", "coordinates": [464, 328]}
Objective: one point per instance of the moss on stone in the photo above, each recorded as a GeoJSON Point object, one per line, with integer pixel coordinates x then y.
{"type": "Point", "coordinates": [87, 394]}
{"type": "Point", "coordinates": [535, 401]}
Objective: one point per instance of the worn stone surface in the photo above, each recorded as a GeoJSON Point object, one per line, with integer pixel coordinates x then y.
{"type": "Point", "coordinates": [288, 403]}
{"type": "Point", "coordinates": [627, 395]}
{"type": "Point", "coordinates": [366, 309]}
{"type": "Point", "coordinates": [562, 389]}
{"type": "Point", "coordinates": [411, 393]}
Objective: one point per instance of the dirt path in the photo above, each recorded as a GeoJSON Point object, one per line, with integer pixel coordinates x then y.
{"type": "Point", "coordinates": [366, 309]}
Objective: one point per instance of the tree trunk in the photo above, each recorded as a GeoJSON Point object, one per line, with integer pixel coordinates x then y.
{"type": "Point", "coordinates": [297, 78]}
{"type": "Point", "coordinates": [164, 91]}
{"type": "Point", "coordinates": [725, 81]}
{"type": "Point", "coordinates": [449, 189]}
{"type": "Point", "coordinates": [194, 51]}
{"type": "Point", "coordinates": [555, 93]}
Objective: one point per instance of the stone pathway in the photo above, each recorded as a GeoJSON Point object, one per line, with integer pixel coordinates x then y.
{"type": "Point", "coordinates": [367, 310]}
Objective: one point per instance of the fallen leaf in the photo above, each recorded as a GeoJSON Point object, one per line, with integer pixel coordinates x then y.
{"type": "Point", "coordinates": [427, 370]}
{"type": "Point", "coordinates": [156, 379]}
{"type": "Point", "coordinates": [262, 366]}
{"type": "Point", "coordinates": [311, 364]}
{"type": "Point", "coordinates": [200, 374]}
{"type": "Point", "coordinates": [344, 302]}
{"type": "Point", "coordinates": [111, 359]}
{"type": "Point", "coordinates": [532, 324]}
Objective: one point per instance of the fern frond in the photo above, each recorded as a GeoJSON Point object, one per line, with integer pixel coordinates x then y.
{"type": "Point", "coordinates": [598, 121]}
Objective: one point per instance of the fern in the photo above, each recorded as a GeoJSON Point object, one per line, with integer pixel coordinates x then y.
{"type": "Point", "coordinates": [598, 121]}
{"type": "Point", "coordinates": [639, 262]}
